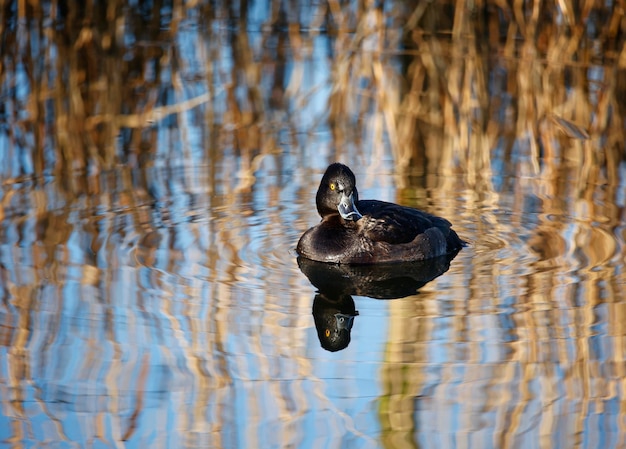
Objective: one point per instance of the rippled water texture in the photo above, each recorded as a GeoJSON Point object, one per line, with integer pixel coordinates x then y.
{"type": "Point", "coordinates": [160, 162]}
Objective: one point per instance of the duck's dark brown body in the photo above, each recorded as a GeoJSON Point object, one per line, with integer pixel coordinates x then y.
{"type": "Point", "coordinates": [375, 231]}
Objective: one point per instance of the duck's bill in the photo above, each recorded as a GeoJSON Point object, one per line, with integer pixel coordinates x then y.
{"type": "Point", "coordinates": [347, 209]}
{"type": "Point", "coordinates": [344, 321]}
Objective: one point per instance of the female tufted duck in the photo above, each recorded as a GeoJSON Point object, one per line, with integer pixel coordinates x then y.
{"type": "Point", "coordinates": [357, 231]}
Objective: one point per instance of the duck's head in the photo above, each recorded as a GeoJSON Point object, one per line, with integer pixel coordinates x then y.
{"type": "Point", "coordinates": [337, 193]}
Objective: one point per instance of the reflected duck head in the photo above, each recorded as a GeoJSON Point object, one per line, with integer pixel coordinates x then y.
{"type": "Point", "coordinates": [337, 193]}
{"type": "Point", "coordinates": [334, 318]}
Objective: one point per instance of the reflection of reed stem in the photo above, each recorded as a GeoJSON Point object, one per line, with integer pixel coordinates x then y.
{"type": "Point", "coordinates": [150, 116]}
{"type": "Point", "coordinates": [446, 95]}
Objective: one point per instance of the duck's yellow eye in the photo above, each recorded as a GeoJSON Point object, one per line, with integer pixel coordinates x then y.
{"type": "Point", "coordinates": [327, 333]}
{"type": "Point", "coordinates": [332, 186]}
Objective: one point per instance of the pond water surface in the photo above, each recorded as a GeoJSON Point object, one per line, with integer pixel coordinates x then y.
{"type": "Point", "coordinates": [187, 321]}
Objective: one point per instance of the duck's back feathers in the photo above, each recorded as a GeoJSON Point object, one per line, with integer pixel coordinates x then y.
{"type": "Point", "coordinates": [395, 224]}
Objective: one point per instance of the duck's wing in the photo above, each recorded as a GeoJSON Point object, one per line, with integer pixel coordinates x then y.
{"type": "Point", "coordinates": [395, 224]}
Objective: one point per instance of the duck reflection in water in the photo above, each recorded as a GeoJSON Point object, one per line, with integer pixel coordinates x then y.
{"type": "Point", "coordinates": [334, 309]}
{"type": "Point", "coordinates": [333, 317]}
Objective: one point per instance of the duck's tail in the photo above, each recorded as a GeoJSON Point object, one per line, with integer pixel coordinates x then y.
{"type": "Point", "coordinates": [455, 242]}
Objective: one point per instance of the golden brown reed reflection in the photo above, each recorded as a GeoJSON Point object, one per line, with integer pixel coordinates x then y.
{"type": "Point", "coordinates": [158, 167]}
{"type": "Point", "coordinates": [443, 84]}
{"type": "Point", "coordinates": [496, 375]}
{"type": "Point", "coordinates": [120, 296]}
{"type": "Point", "coordinates": [536, 339]}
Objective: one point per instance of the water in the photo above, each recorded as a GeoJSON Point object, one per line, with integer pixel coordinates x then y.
{"type": "Point", "coordinates": [187, 321]}
{"type": "Point", "coordinates": [150, 292]}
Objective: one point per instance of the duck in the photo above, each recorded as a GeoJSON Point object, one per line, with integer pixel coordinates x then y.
{"type": "Point", "coordinates": [355, 231]}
